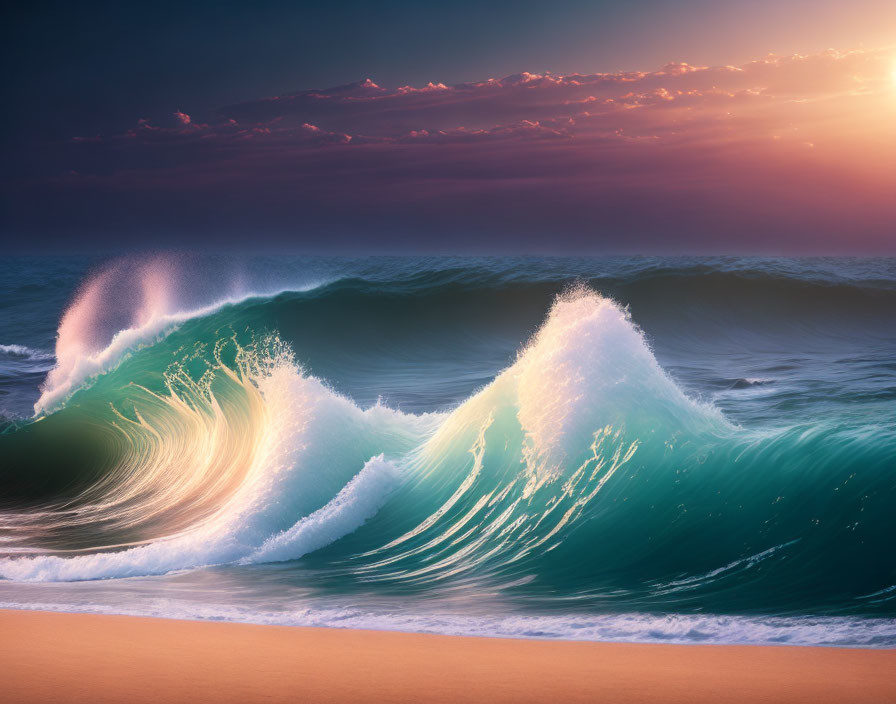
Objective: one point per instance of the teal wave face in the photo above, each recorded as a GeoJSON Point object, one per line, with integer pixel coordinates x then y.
{"type": "Point", "coordinates": [580, 477]}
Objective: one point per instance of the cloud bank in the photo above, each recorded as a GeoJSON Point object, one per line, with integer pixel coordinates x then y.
{"type": "Point", "coordinates": [791, 153]}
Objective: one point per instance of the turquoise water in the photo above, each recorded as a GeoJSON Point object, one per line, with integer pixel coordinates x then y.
{"type": "Point", "coordinates": [628, 448]}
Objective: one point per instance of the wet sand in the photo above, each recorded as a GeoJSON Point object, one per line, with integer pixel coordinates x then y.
{"type": "Point", "coordinates": [56, 657]}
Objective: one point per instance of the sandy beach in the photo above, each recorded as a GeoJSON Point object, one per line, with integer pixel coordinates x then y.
{"type": "Point", "coordinates": [56, 657]}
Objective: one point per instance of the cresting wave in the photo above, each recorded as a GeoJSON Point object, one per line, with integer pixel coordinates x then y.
{"type": "Point", "coordinates": [581, 476]}
{"type": "Point", "coordinates": [222, 461]}
{"type": "Point", "coordinates": [126, 305]}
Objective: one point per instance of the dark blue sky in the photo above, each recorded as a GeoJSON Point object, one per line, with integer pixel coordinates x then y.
{"type": "Point", "coordinates": [95, 69]}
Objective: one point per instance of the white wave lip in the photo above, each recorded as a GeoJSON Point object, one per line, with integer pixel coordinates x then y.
{"type": "Point", "coordinates": [149, 296]}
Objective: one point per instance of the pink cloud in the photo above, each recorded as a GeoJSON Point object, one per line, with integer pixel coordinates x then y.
{"type": "Point", "coordinates": [707, 145]}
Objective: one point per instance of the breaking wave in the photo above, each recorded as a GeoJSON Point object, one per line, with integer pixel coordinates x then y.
{"type": "Point", "coordinates": [580, 476]}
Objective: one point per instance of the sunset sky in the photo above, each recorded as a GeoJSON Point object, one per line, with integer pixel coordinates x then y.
{"type": "Point", "coordinates": [654, 126]}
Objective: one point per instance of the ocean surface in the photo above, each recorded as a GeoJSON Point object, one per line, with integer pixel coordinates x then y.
{"type": "Point", "coordinates": [629, 449]}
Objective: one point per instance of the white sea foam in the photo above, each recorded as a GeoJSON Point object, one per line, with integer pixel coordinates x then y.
{"type": "Point", "coordinates": [23, 351]}
{"type": "Point", "coordinates": [707, 629]}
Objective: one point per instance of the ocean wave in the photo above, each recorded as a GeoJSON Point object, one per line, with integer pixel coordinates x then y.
{"type": "Point", "coordinates": [582, 472]}
{"type": "Point", "coordinates": [104, 325]}
{"type": "Point", "coordinates": [213, 469]}
{"type": "Point", "coordinates": [259, 436]}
